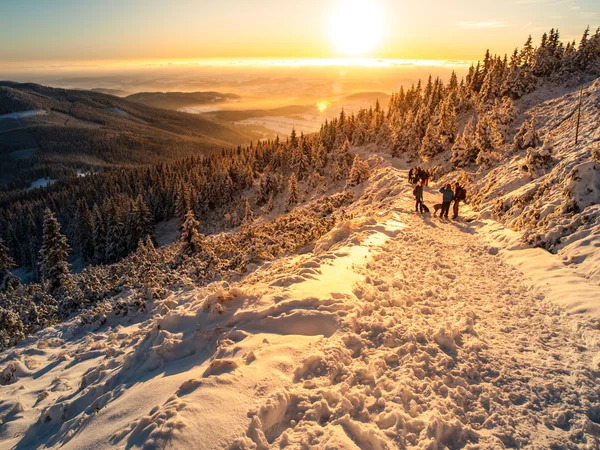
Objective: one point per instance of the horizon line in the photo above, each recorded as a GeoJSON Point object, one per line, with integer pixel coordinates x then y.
{"type": "Point", "coordinates": [233, 62]}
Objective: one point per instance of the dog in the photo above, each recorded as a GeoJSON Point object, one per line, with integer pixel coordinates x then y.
{"type": "Point", "coordinates": [436, 208]}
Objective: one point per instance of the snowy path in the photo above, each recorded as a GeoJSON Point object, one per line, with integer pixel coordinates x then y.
{"type": "Point", "coordinates": [445, 344]}
{"type": "Point", "coordinates": [397, 331]}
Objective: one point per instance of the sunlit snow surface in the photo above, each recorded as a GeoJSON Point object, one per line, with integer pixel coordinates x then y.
{"type": "Point", "coordinates": [395, 330]}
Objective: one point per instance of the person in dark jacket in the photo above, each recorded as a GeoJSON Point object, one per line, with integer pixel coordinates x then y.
{"type": "Point", "coordinates": [418, 193]}
{"type": "Point", "coordinates": [460, 194]}
{"type": "Point", "coordinates": [447, 197]}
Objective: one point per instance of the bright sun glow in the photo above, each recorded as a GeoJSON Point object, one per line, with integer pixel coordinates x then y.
{"type": "Point", "coordinates": [357, 27]}
{"type": "Point", "coordinates": [322, 105]}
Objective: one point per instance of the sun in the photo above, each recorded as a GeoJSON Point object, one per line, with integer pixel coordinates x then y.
{"type": "Point", "coordinates": [357, 27]}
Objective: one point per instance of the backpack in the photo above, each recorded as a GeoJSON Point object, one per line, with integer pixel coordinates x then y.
{"type": "Point", "coordinates": [461, 194]}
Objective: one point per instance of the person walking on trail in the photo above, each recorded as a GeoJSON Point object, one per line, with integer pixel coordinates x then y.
{"type": "Point", "coordinates": [447, 197]}
{"type": "Point", "coordinates": [426, 177]}
{"type": "Point", "coordinates": [460, 194]}
{"type": "Point", "coordinates": [418, 193]}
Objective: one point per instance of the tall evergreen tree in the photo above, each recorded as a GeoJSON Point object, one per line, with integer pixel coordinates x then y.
{"type": "Point", "coordinates": [359, 172]}
{"type": "Point", "coordinates": [142, 224]}
{"type": "Point", "coordinates": [464, 152]}
{"type": "Point", "coordinates": [248, 214]}
{"type": "Point", "coordinates": [6, 263]}
{"type": "Point", "coordinates": [98, 236]}
{"type": "Point", "coordinates": [190, 238]}
{"type": "Point", "coordinates": [293, 193]}
{"type": "Point", "coordinates": [54, 253]}
{"type": "Point", "coordinates": [84, 223]}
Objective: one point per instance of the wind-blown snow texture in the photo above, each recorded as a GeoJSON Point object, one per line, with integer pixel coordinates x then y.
{"type": "Point", "coordinates": [395, 330]}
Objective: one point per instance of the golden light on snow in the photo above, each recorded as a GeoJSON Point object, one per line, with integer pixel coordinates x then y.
{"type": "Point", "coordinates": [323, 105]}
{"type": "Point", "coordinates": [357, 27]}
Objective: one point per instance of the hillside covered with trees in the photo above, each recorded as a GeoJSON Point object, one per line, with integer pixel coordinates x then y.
{"type": "Point", "coordinates": [52, 133]}
{"type": "Point", "coordinates": [105, 216]}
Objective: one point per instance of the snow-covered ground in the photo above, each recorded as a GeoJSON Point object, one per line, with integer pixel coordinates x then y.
{"type": "Point", "coordinates": [40, 182]}
{"type": "Point", "coordinates": [396, 330]}
{"type": "Point", "coordinates": [552, 194]}
{"type": "Point", "coordinates": [23, 154]}
{"type": "Point", "coordinates": [306, 123]}
{"type": "Point", "coordinates": [24, 114]}
{"type": "Point", "coordinates": [166, 232]}
{"type": "Point", "coordinates": [119, 112]}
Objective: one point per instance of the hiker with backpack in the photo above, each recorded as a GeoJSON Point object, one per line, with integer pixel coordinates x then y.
{"type": "Point", "coordinates": [447, 197]}
{"type": "Point", "coordinates": [418, 193]}
{"type": "Point", "coordinates": [460, 194]}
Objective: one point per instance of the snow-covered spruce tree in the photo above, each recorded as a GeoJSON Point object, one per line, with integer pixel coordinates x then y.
{"type": "Point", "coordinates": [527, 135]}
{"type": "Point", "coordinates": [487, 140]}
{"type": "Point", "coordinates": [12, 329]}
{"type": "Point", "coordinates": [248, 214]}
{"type": "Point", "coordinates": [319, 156]}
{"type": "Point", "coordinates": [53, 254]}
{"type": "Point", "coordinates": [141, 220]}
{"type": "Point", "coordinates": [183, 202]}
{"type": "Point", "coordinates": [268, 207]}
{"type": "Point", "coordinates": [359, 137]}
{"type": "Point", "coordinates": [84, 223]}
{"type": "Point", "coordinates": [191, 240]}
{"type": "Point", "coordinates": [464, 152]}
{"type": "Point", "coordinates": [385, 137]}
{"type": "Point", "coordinates": [342, 161]}
{"type": "Point", "coordinates": [266, 186]}
{"type": "Point", "coordinates": [6, 263]}
{"type": "Point", "coordinates": [441, 131]}
{"type": "Point", "coordinates": [115, 237]}
{"type": "Point", "coordinates": [98, 236]}
{"type": "Point", "coordinates": [505, 113]}
{"type": "Point", "coordinates": [542, 159]}
{"type": "Point", "coordinates": [358, 173]}
{"type": "Point", "coordinates": [293, 193]}
{"type": "Point", "coordinates": [429, 144]}
{"type": "Point", "coordinates": [300, 160]}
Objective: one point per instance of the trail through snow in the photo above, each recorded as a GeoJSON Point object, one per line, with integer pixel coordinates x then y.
{"type": "Point", "coordinates": [398, 330]}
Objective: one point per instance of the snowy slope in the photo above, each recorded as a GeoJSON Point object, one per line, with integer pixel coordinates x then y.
{"type": "Point", "coordinates": [555, 203]}
{"type": "Point", "coordinates": [395, 331]}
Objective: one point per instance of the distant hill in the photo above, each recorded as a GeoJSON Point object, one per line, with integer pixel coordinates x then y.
{"type": "Point", "coordinates": [370, 97]}
{"type": "Point", "coordinates": [178, 100]}
{"type": "Point", "coordinates": [50, 132]}
{"type": "Point", "coordinates": [116, 92]}
{"type": "Point", "coordinates": [239, 115]}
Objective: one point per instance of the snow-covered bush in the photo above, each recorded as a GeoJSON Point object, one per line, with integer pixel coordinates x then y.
{"type": "Point", "coordinates": [542, 159]}
{"type": "Point", "coordinates": [359, 172]}
{"type": "Point", "coordinates": [596, 153]}
{"type": "Point", "coordinates": [527, 136]}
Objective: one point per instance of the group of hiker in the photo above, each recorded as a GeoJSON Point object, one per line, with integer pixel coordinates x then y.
{"type": "Point", "coordinates": [449, 195]}
{"type": "Point", "coordinates": [417, 174]}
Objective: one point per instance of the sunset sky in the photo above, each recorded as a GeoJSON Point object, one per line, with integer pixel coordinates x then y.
{"type": "Point", "coordinates": [122, 30]}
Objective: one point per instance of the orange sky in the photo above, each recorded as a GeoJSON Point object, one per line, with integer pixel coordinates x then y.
{"type": "Point", "coordinates": [86, 30]}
